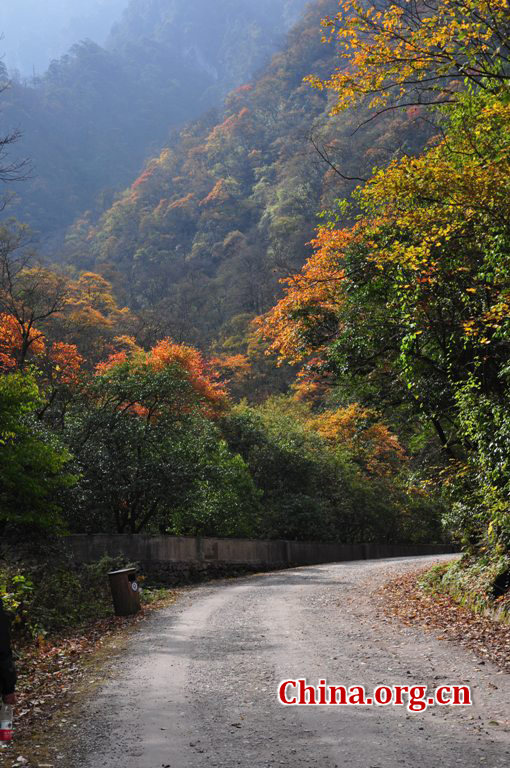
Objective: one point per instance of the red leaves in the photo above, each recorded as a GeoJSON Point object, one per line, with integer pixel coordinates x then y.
{"type": "Point", "coordinates": [203, 377]}
{"type": "Point", "coordinates": [12, 338]}
{"type": "Point", "coordinates": [67, 362]}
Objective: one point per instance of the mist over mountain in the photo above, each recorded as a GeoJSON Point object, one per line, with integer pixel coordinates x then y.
{"type": "Point", "coordinates": [98, 113]}
{"type": "Point", "coordinates": [34, 32]}
{"type": "Point", "coordinates": [226, 41]}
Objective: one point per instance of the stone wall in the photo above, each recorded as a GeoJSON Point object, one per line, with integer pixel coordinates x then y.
{"type": "Point", "coordinates": [175, 560]}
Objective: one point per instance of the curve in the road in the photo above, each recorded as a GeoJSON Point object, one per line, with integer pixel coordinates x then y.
{"type": "Point", "coordinates": [197, 687]}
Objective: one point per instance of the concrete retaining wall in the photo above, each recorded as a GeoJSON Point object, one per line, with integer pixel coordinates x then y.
{"type": "Point", "coordinates": [173, 560]}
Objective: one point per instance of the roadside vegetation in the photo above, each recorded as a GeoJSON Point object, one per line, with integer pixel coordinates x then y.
{"type": "Point", "coordinates": [408, 308]}
{"type": "Point", "coordinates": [65, 634]}
{"type": "Point", "coordinates": [482, 584]}
{"type": "Point", "coordinates": [100, 434]}
{"type": "Point", "coordinates": [462, 612]}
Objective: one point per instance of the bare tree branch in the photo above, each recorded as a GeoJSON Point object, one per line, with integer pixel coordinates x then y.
{"type": "Point", "coordinates": [323, 153]}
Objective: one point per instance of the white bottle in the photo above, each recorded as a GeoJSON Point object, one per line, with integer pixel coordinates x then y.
{"type": "Point", "coordinates": [6, 724]}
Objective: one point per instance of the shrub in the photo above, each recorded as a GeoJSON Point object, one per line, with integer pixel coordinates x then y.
{"type": "Point", "coordinates": [46, 598]}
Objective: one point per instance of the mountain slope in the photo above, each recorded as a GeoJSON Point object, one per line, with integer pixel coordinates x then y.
{"type": "Point", "coordinates": [35, 33]}
{"type": "Point", "coordinates": [227, 44]}
{"type": "Point", "coordinates": [202, 237]}
{"type": "Point", "coordinates": [91, 121]}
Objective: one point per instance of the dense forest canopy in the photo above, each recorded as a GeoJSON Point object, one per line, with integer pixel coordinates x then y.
{"type": "Point", "coordinates": [112, 420]}
{"type": "Point", "coordinates": [409, 306]}
{"type": "Point", "coordinates": [203, 236]}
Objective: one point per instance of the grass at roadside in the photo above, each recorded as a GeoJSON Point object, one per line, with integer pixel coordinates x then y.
{"type": "Point", "coordinates": [477, 583]}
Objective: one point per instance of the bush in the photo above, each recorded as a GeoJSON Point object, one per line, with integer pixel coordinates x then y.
{"type": "Point", "coordinates": [481, 583]}
{"type": "Point", "coordinates": [46, 598]}
{"type": "Point", "coordinates": [33, 463]}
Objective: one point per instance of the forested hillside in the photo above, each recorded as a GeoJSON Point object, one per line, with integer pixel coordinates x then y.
{"type": "Point", "coordinates": [34, 32]}
{"type": "Point", "coordinates": [407, 307]}
{"type": "Point", "coordinates": [226, 41]}
{"type": "Point", "coordinates": [200, 240]}
{"type": "Point", "coordinates": [111, 420]}
{"type": "Point", "coordinates": [92, 119]}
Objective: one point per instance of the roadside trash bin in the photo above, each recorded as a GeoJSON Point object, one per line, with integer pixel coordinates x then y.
{"type": "Point", "coordinates": [125, 592]}
{"type": "Point", "coordinates": [6, 729]}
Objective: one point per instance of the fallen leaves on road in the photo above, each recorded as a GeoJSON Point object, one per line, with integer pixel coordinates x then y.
{"type": "Point", "coordinates": [51, 670]}
{"type": "Point", "coordinates": [405, 600]}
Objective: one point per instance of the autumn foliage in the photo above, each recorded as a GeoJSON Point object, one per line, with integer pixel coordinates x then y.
{"type": "Point", "coordinates": [312, 293]}
{"type": "Point", "coordinates": [405, 53]}
{"type": "Point", "coordinates": [394, 316]}
{"type": "Point", "coordinates": [410, 304]}
{"type": "Point", "coordinates": [203, 379]}
{"type": "Point", "coordinates": [12, 341]}
{"type": "Point", "coordinates": [364, 436]}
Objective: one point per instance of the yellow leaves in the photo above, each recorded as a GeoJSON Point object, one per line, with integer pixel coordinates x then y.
{"type": "Point", "coordinates": [386, 53]}
{"type": "Point", "coordinates": [315, 82]}
{"type": "Point", "coordinates": [470, 328]}
{"type": "Point", "coordinates": [316, 290]}
{"type": "Point", "coordinates": [366, 438]}
{"type": "Point", "coordinates": [127, 343]}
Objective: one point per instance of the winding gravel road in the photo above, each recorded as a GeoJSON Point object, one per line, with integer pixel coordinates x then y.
{"type": "Point", "coordinates": [197, 685]}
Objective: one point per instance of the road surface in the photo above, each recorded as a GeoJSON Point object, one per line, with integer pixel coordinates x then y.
{"type": "Point", "coordinates": [196, 687]}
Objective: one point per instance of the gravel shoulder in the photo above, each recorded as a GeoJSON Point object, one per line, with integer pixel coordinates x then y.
{"type": "Point", "coordinates": [196, 684]}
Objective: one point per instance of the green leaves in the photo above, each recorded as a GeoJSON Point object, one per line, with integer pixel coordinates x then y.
{"type": "Point", "coordinates": [33, 462]}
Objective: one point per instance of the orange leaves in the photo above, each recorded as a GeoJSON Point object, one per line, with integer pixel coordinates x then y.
{"type": "Point", "coordinates": [13, 338]}
{"type": "Point", "coordinates": [67, 362]}
{"type": "Point", "coordinates": [232, 368]}
{"type": "Point", "coordinates": [218, 194]}
{"type": "Point", "coordinates": [116, 358]}
{"type": "Point", "coordinates": [182, 204]}
{"type": "Point", "coordinates": [312, 383]}
{"type": "Point", "coordinates": [64, 360]}
{"type": "Point", "coordinates": [315, 290]}
{"type": "Point", "coordinates": [126, 349]}
{"type": "Point", "coordinates": [203, 378]}
{"type": "Point", "coordinates": [366, 438]}
{"type": "Point", "coordinates": [144, 177]}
